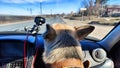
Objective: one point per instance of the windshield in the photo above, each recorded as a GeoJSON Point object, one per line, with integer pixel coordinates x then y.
{"type": "Point", "coordinates": [103, 14]}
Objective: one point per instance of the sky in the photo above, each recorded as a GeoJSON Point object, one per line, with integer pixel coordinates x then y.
{"type": "Point", "coordinates": [32, 7]}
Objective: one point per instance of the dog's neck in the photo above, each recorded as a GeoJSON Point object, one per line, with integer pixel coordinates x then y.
{"type": "Point", "coordinates": [61, 48]}
{"type": "Point", "coordinates": [68, 63]}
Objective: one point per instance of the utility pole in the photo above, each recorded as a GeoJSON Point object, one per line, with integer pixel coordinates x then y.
{"type": "Point", "coordinates": [41, 8]}
{"type": "Point", "coordinates": [51, 12]}
{"type": "Point", "coordinates": [31, 11]}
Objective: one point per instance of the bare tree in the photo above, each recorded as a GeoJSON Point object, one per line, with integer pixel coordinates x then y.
{"type": "Point", "coordinates": [99, 6]}
{"type": "Point", "coordinates": [91, 7]}
{"type": "Point", "coordinates": [94, 7]}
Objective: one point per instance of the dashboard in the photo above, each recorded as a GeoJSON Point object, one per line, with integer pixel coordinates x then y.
{"type": "Point", "coordinates": [96, 54]}
{"type": "Point", "coordinates": [12, 52]}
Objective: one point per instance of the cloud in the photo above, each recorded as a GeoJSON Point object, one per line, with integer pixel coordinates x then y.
{"type": "Point", "coordinates": [32, 1]}
{"type": "Point", "coordinates": [26, 1]}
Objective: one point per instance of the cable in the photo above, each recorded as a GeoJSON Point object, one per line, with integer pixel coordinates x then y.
{"type": "Point", "coordinates": [36, 52]}
{"type": "Point", "coordinates": [35, 57]}
{"type": "Point", "coordinates": [25, 52]}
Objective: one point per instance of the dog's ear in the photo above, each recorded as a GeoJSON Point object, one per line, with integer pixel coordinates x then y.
{"type": "Point", "coordinates": [50, 33]}
{"type": "Point", "coordinates": [83, 31]}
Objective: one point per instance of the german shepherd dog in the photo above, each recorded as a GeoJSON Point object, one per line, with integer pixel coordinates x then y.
{"type": "Point", "coordinates": [62, 47]}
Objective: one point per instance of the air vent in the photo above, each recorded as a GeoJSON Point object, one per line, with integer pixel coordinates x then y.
{"type": "Point", "coordinates": [99, 54]}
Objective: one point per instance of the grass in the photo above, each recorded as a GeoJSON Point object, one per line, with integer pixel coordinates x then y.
{"type": "Point", "coordinates": [105, 21]}
{"type": "Point", "coordinates": [98, 20]}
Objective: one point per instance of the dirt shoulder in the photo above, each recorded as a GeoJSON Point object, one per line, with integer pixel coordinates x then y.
{"type": "Point", "coordinates": [5, 19]}
{"type": "Point", "coordinates": [16, 22]}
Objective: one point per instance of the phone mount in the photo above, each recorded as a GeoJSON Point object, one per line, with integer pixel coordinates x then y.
{"type": "Point", "coordinates": [39, 21]}
{"type": "Point", "coordinates": [36, 27]}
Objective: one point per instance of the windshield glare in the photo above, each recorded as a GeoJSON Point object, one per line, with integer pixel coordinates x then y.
{"type": "Point", "coordinates": [15, 15]}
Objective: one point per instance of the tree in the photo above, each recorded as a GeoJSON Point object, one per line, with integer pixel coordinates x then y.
{"type": "Point", "coordinates": [101, 1]}
{"type": "Point", "coordinates": [93, 6]}
{"type": "Point", "coordinates": [88, 4]}
{"type": "Point", "coordinates": [99, 6]}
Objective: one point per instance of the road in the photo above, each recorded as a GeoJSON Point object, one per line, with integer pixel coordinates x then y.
{"type": "Point", "coordinates": [20, 26]}
{"type": "Point", "coordinates": [99, 32]}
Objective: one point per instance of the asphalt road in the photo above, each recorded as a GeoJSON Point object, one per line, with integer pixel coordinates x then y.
{"type": "Point", "coordinates": [20, 26]}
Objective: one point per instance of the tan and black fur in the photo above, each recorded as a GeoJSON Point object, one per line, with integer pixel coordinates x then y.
{"type": "Point", "coordinates": [62, 42]}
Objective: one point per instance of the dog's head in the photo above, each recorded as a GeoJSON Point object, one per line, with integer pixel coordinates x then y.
{"type": "Point", "coordinates": [64, 38]}
{"type": "Point", "coordinates": [59, 32]}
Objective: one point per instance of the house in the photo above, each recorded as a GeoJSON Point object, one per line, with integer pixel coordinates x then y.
{"type": "Point", "coordinates": [113, 10]}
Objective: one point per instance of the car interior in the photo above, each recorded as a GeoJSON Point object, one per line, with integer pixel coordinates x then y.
{"type": "Point", "coordinates": [20, 49]}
